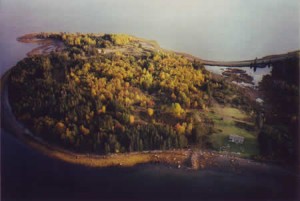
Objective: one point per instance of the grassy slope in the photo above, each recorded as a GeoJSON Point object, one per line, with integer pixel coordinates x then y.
{"type": "Point", "coordinates": [225, 120]}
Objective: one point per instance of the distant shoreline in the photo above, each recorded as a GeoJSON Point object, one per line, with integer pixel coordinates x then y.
{"type": "Point", "coordinates": [45, 45]}
{"type": "Point", "coordinates": [260, 62]}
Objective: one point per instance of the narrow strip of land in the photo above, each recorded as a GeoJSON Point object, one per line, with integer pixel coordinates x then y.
{"type": "Point", "coordinates": [259, 63]}
{"type": "Point", "coordinates": [46, 45]}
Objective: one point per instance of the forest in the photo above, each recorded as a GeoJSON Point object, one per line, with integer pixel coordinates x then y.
{"type": "Point", "coordinates": [94, 96]}
{"type": "Point", "coordinates": [115, 93]}
{"type": "Point", "coordinates": [279, 136]}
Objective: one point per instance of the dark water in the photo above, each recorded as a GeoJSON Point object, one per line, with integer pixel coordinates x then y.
{"type": "Point", "coordinates": [197, 27]}
{"type": "Point", "coordinates": [210, 29]}
{"type": "Point", "coordinates": [28, 175]}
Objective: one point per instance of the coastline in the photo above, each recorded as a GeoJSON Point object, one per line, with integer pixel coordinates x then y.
{"type": "Point", "coordinates": [260, 62]}
{"type": "Point", "coordinates": [45, 46]}
{"type": "Point", "coordinates": [178, 158]}
{"type": "Point", "coordinates": [10, 124]}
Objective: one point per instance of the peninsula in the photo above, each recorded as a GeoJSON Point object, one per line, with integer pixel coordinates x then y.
{"type": "Point", "coordinates": [114, 99]}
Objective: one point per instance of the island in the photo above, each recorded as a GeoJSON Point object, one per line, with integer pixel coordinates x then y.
{"type": "Point", "coordinates": [113, 99]}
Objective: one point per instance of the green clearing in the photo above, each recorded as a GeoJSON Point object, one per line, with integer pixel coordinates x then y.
{"type": "Point", "coordinates": [228, 121]}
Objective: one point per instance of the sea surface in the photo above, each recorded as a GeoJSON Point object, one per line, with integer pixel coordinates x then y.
{"type": "Point", "coordinates": [210, 29]}
{"type": "Point", "coordinates": [221, 30]}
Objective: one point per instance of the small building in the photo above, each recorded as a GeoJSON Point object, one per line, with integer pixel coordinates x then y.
{"type": "Point", "coordinates": [236, 139]}
{"type": "Point", "coordinates": [259, 101]}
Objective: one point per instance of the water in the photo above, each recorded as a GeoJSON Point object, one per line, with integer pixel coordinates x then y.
{"type": "Point", "coordinates": [29, 175]}
{"type": "Point", "coordinates": [257, 76]}
{"type": "Point", "coordinates": [214, 29]}
{"type": "Point", "coordinates": [210, 29]}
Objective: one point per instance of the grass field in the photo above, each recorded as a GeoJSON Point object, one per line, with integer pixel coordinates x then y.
{"type": "Point", "coordinates": [231, 121]}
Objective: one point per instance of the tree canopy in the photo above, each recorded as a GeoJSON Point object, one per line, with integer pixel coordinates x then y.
{"type": "Point", "coordinates": [107, 101]}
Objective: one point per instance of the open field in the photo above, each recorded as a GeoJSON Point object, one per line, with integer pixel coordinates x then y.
{"type": "Point", "coordinates": [231, 121]}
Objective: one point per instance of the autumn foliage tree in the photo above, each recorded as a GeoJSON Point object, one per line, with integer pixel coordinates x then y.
{"type": "Point", "coordinates": [93, 100]}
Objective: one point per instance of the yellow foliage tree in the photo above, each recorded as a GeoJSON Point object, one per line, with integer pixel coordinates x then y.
{"type": "Point", "coordinates": [103, 110]}
{"type": "Point", "coordinates": [189, 128]}
{"type": "Point", "coordinates": [86, 67]}
{"type": "Point", "coordinates": [120, 39]}
{"type": "Point", "coordinates": [173, 96]}
{"type": "Point", "coordinates": [177, 110]}
{"type": "Point", "coordinates": [93, 92]}
{"type": "Point", "coordinates": [150, 112]}
{"type": "Point", "coordinates": [131, 119]}
{"type": "Point", "coordinates": [77, 41]}
{"type": "Point", "coordinates": [180, 128]}
{"type": "Point", "coordinates": [60, 127]}
{"type": "Point", "coordinates": [84, 130]}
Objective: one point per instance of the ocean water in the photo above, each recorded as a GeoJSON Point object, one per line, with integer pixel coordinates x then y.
{"type": "Point", "coordinates": [210, 29]}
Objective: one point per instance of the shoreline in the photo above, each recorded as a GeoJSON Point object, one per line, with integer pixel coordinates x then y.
{"type": "Point", "coordinates": [11, 125]}
{"type": "Point", "coordinates": [45, 46]}
{"type": "Point", "coordinates": [183, 158]}
{"type": "Point", "coordinates": [260, 62]}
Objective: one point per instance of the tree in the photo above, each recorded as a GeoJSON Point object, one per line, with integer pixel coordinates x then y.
{"type": "Point", "coordinates": [177, 110]}
{"type": "Point", "coordinates": [84, 130]}
{"type": "Point", "coordinates": [182, 141]}
{"type": "Point", "coordinates": [199, 135]}
{"type": "Point", "coordinates": [173, 96]}
{"type": "Point", "coordinates": [131, 119]}
{"type": "Point", "coordinates": [60, 127]}
{"type": "Point", "coordinates": [103, 109]}
{"type": "Point", "coordinates": [106, 148]}
{"type": "Point", "coordinates": [189, 128]}
{"type": "Point", "coordinates": [180, 128]}
{"type": "Point", "coordinates": [141, 146]}
{"type": "Point", "coordinates": [77, 41]}
{"type": "Point", "coordinates": [150, 112]}
{"type": "Point", "coordinates": [92, 100]}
